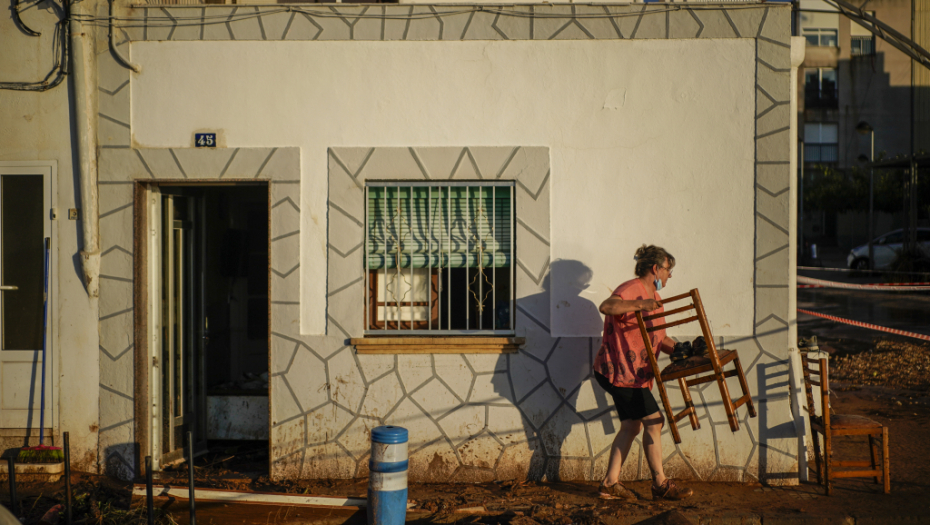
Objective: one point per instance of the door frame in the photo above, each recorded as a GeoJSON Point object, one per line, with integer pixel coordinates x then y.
{"type": "Point", "coordinates": [49, 170]}
{"type": "Point", "coordinates": [145, 323]}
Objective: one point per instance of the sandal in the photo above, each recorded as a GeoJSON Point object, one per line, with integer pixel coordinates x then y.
{"type": "Point", "coordinates": [615, 491]}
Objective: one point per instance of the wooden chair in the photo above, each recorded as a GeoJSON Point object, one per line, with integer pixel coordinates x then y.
{"type": "Point", "coordinates": [713, 362]}
{"type": "Point", "coordinates": [841, 425]}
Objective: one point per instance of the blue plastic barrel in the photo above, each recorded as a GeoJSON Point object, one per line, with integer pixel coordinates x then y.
{"type": "Point", "coordinates": [387, 481]}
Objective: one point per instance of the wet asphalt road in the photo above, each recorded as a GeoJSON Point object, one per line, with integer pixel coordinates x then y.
{"type": "Point", "coordinates": [909, 311]}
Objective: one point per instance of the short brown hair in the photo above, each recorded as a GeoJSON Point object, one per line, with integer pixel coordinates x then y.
{"type": "Point", "coordinates": [648, 256]}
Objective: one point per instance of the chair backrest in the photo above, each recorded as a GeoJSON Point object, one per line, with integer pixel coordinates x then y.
{"type": "Point", "coordinates": [699, 316]}
{"type": "Point", "coordinates": [822, 371]}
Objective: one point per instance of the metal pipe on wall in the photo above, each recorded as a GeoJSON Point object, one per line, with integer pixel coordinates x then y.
{"type": "Point", "coordinates": [83, 82]}
{"type": "Point", "coordinates": [116, 54]}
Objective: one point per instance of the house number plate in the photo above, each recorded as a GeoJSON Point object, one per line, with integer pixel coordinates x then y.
{"type": "Point", "coordinates": [205, 140]}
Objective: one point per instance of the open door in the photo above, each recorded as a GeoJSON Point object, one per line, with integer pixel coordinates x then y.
{"type": "Point", "coordinates": [208, 279]}
{"type": "Point", "coordinates": [25, 202]}
{"type": "Point", "coordinates": [178, 325]}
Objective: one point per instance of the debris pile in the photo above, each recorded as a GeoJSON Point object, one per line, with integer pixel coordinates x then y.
{"type": "Point", "coordinates": [524, 503]}
{"type": "Point", "coordinates": [890, 363]}
{"type": "Point", "coordinates": [97, 500]}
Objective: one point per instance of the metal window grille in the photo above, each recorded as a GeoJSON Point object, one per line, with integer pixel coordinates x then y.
{"type": "Point", "coordinates": [862, 46]}
{"type": "Point", "coordinates": [439, 258]}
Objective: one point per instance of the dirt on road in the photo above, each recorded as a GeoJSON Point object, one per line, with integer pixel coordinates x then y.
{"type": "Point", "coordinates": [886, 381]}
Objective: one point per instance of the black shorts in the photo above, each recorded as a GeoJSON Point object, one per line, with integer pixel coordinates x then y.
{"type": "Point", "coordinates": [631, 403]}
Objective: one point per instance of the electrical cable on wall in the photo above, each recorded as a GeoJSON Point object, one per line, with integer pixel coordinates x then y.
{"type": "Point", "coordinates": [61, 58]}
{"type": "Point", "coordinates": [332, 12]}
{"type": "Point", "coordinates": [60, 61]}
{"type": "Point", "coordinates": [60, 69]}
{"type": "Point", "coordinates": [177, 21]}
{"type": "Point", "coordinates": [19, 21]}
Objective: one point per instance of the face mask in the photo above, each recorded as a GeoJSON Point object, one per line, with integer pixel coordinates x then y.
{"type": "Point", "coordinates": [658, 284]}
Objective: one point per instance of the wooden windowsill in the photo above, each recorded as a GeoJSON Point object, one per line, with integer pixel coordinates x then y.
{"type": "Point", "coordinates": [437, 345]}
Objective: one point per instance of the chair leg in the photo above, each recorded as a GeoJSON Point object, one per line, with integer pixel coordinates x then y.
{"type": "Point", "coordinates": [689, 403]}
{"type": "Point", "coordinates": [669, 415]}
{"type": "Point", "coordinates": [873, 454]}
{"type": "Point", "coordinates": [745, 387]}
{"type": "Point", "coordinates": [827, 462]}
{"type": "Point", "coordinates": [886, 461]}
{"type": "Point", "coordinates": [728, 403]}
{"type": "Point", "coordinates": [817, 456]}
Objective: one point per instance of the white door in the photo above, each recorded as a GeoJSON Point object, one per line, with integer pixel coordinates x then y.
{"type": "Point", "coordinates": [176, 321]}
{"type": "Point", "coordinates": [25, 223]}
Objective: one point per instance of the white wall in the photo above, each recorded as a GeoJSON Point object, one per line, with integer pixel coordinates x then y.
{"type": "Point", "coordinates": [36, 127]}
{"type": "Point", "coordinates": [819, 20]}
{"type": "Point", "coordinates": [626, 123]}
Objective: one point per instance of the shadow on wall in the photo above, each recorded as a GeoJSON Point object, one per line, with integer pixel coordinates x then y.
{"type": "Point", "coordinates": [775, 438]}
{"type": "Point", "coordinates": [118, 462]}
{"type": "Point", "coordinates": [569, 421]}
{"type": "Point", "coordinates": [546, 379]}
{"type": "Point", "coordinates": [30, 435]}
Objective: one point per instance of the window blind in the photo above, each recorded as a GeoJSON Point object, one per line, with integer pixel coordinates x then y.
{"type": "Point", "coordinates": [438, 226]}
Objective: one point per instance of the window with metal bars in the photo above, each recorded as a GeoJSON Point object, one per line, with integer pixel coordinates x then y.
{"type": "Point", "coordinates": [861, 46]}
{"type": "Point", "coordinates": [439, 258]}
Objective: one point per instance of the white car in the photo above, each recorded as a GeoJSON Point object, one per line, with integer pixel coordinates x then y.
{"type": "Point", "coordinates": [886, 248]}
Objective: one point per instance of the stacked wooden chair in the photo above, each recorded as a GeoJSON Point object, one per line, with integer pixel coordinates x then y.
{"type": "Point", "coordinates": [695, 370]}
{"type": "Point", "coordinates": [833, 425]}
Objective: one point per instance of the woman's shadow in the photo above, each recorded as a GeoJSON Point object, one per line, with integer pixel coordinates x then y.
{"type": "Point", "coordinates": [549, 376]}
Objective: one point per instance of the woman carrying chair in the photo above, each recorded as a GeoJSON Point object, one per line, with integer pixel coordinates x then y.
{"type": "Point", "coordinates": [622, 369]}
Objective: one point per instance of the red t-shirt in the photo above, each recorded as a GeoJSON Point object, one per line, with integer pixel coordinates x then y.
{"type": "Point", "coordinates": [622, 357]}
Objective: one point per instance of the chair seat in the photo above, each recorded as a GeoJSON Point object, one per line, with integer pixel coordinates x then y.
{"type": "Point", "coordinates": [695, 365]}
{"type": "Point", "coordinates": [844, 421]}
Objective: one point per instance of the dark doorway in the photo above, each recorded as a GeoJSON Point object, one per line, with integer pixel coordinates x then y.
{"type": "Point", "coordinates": [213, 259]}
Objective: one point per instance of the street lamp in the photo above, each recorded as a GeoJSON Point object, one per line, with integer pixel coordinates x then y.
{"type": "Point", "coordinates": [864, 128]}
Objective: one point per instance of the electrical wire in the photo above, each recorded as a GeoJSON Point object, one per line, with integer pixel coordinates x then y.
{"type": "Point", "coordinates": [60, 60]}
{"type": "Point", "coordinates": [19, 21]}
{"type": "Point", "coordinates": [333, 12]}
{"type": "Point", "coordinates": [59, 70]}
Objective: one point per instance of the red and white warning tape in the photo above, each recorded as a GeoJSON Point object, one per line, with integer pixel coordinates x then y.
{"type": "Point", "coordinates": [866, 325]}
{"type": "Point", "coordinates": [809, 282]}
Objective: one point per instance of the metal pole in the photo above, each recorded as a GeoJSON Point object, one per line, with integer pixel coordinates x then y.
{"type": "Point", "coordinates": [67, 443]}
{"type": "Point", "coordinates": [912, 211]}
{"type": "Point", "coordinates": [872, 203]}
{"type": "Point", "coordinates": [513, 267]}
{"type": "Point", "coordinates": [398, 257]}
{"type": "Point", "coordinates": [149, 496]}
{"type": "Point", "coordinates": [383, 279]}
{"type": "Point", "coordinates": [467, 254]}
{"type": "Point", "coordinates": [366, 257]}
{"type": "Point", "coordinates": [494, 251]}
{"type": "Point", "coordinates": [449, 260]}
{"type": "Point", "coordinates": [801, 250]}
{"type": "Point", "coordinates": [429, 258]}
{"type": "Point", "coordinates": [48, 247]}
{"type": "Point", "coordinates": [190, 471]}
{"type": "Point", "coordinates": [11, 464]}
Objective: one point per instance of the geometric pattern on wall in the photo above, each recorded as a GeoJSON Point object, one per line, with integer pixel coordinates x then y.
{"type": "Point", "coordinates": [478, 416]}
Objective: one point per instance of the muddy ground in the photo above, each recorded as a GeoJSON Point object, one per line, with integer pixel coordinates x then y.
{"type": "Point", "coordinates": [887, 379]}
